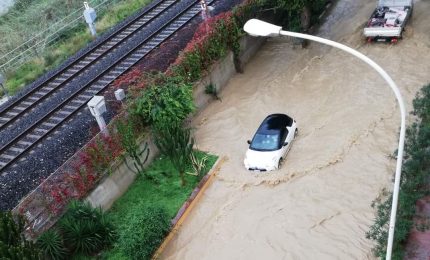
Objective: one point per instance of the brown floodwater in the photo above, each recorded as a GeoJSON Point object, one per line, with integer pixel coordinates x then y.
{"type": "Point", "coordinates": [318, 206]}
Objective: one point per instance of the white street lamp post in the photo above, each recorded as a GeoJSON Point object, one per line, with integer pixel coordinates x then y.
{"type": "Point", "coordinates": [256, 27]}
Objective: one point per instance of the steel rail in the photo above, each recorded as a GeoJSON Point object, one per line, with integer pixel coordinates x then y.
{"type": "Point", "coordinates": [19, 152]}
{"type": "Point", "coordinates": [22, 100]}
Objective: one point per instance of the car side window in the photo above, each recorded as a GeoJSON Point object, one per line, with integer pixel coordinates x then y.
{"type": "Point", "coordinates": [284, 136]}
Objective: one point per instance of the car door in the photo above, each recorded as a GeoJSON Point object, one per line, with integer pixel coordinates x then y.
{"type": "Point", "coordinates": [283, 141]}
{"type": "Point", "coordinates": [289, 139]}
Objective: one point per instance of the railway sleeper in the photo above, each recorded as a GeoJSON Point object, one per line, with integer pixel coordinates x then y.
{"type": "Point", "coordinates": [70, 107]}
{"type": "Point", "coordinates": [16, 149]}
{"type": "Point", "coordinates": [94, 91]}
{"type": "Point", "coordinates": [49, 88]}
{"type": "Point", "coordinates": [24, 143]}
{"type": "Point", "coordinates": [57, 118]}
{"type": "Point", "coordinates": [37, 137]}
{"type": "Point", "coordinates": [85, 96]}
{"type": "Point", "coordinates": [7, 156]}
{"type": "Point", "coordinates": [12, 113]}
{"type": "Point", "coordinates": [40, 131]}
{"type": "Point", "coordinates": [47, 124]}
{"type": "Point", "coordinates": [78, 102]}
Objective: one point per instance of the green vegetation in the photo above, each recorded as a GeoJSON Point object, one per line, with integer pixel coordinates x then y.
{"type": "Point", "coordinates": [82, 231]}
{"type": "Point", "coordinates": [212, 90]}
{"type": "Point", "coordinates": [52, 245]}
{"type": "Point", "coordinates": [144, 232]}
{"type": "Point", "coordinates": [85, 229]}
{"type": "Point", "coordinates": [207, 46]}
{"type": "Point", "coordinates": [29, 18]}
{"type": "Point", "coordinates": [165, 196]}
{"type": "Point", "coordinates": [175, 142]}
{"type": "Point", "coordinates": [414, 183]}
{"type": "Point", "coordinates": [297, 15]}
{"type": "Point", "coordinates": [13, 245]}
{"type": "Point", "coordinates": [165, 99]}
{"type": "Point", "coordinates": [129, 140]}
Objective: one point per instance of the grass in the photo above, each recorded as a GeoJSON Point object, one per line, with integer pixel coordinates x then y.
{"type": "Point", "coordinates": [166, 192]}
{"type": "Point", "coordinates": [69, 43]}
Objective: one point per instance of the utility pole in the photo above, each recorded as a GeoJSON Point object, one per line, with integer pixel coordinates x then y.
{"type": "Point", "coordinates": [90, 17]}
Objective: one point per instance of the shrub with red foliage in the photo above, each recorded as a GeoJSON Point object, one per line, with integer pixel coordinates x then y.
{"type": "Point", "coordinates": [127, 79]}
{"type": "Point", "coordinates": [211, 41]}
{"type": "Point", "coordinates": [84, 170]}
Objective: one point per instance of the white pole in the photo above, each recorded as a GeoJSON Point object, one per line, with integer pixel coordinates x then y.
{"type": "Point", "coordinates": [399, 98]}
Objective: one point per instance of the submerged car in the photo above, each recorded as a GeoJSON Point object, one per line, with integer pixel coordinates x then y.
{"type": "Point", "coordinates": [271, 143]}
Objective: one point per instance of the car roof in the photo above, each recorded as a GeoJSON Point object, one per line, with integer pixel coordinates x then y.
{"type": "Point", "coordinates": [275, 123]}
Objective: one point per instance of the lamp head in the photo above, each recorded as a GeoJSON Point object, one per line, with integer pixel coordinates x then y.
{"type": "Point", "coordinates": [255, 27]}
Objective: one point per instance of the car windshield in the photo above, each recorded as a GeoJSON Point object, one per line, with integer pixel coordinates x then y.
{"type": "Point", "coordinates": [265, 142]}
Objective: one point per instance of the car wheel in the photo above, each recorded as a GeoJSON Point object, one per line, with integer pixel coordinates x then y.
{"type": "Point", "coordinates": [296, 132]}
{"type": "Point", "coordinates": [279, 163]}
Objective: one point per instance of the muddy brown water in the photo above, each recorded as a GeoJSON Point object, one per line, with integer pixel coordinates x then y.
{"type": "Point", "coordinates": [318, 205]}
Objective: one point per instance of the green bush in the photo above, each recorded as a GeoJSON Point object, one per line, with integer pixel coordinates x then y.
{"type": "Point", "coordinates": [51, 244]}
{"type": "Point", "coordinates": [414, 183]}
{"type": "Point", "coordinates": [287, 13]}
{"type": "Point", "coordinates": [166, 193]}
{"type": "Point", "coordinates": [13, 245]}
{"type": "Point", "coordinates": [86, 229]}
{"type": "Point", "coordinates": [129, 139]}
{"type": "Point", "coordinates": [175, 142]}
{"type": "Point", "coordinates": [166, 99]}
{"type": "Point", "coordinates": [144, 232]}
{"type": "Point", "coordinates": [207, 46]}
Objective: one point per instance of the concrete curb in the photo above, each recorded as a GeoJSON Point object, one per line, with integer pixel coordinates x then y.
{"type": "Point", "coordinates": [188, 205]}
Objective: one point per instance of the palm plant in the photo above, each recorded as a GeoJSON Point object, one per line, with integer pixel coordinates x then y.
{"type": "Point", "coordinates": [86, 229]}
{"type": "Point", "coordinates": [52, 245]}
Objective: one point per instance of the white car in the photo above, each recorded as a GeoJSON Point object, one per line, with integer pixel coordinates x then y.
{"type": "Point", "coordinates": [271, 142]}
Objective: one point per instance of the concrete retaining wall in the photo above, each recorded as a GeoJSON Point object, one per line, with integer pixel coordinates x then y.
{"type": "Point", "coordinates": [114, 185]}
{"type": "Point", "coordinates": [117, 183]}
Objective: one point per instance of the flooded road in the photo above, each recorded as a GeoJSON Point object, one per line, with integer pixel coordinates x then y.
{"type": "Point", "coordinates": [318, 205]}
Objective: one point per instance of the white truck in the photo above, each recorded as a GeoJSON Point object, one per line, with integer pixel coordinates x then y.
{"type": "Point", "coordinates": [388, 20]}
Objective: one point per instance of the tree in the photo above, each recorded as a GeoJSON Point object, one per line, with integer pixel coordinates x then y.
{"type": "Point", "coordinates": [128, 138]}
{"type": "Point", "coordinates": [165, 99]}
{"type": "Point", "coordinates": [13, 244]}
{"type": "Point", "coordinates": [175, 142]}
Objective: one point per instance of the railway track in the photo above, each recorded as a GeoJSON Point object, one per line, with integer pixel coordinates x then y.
{"type": "Point", "coordinates": [128, 52]}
